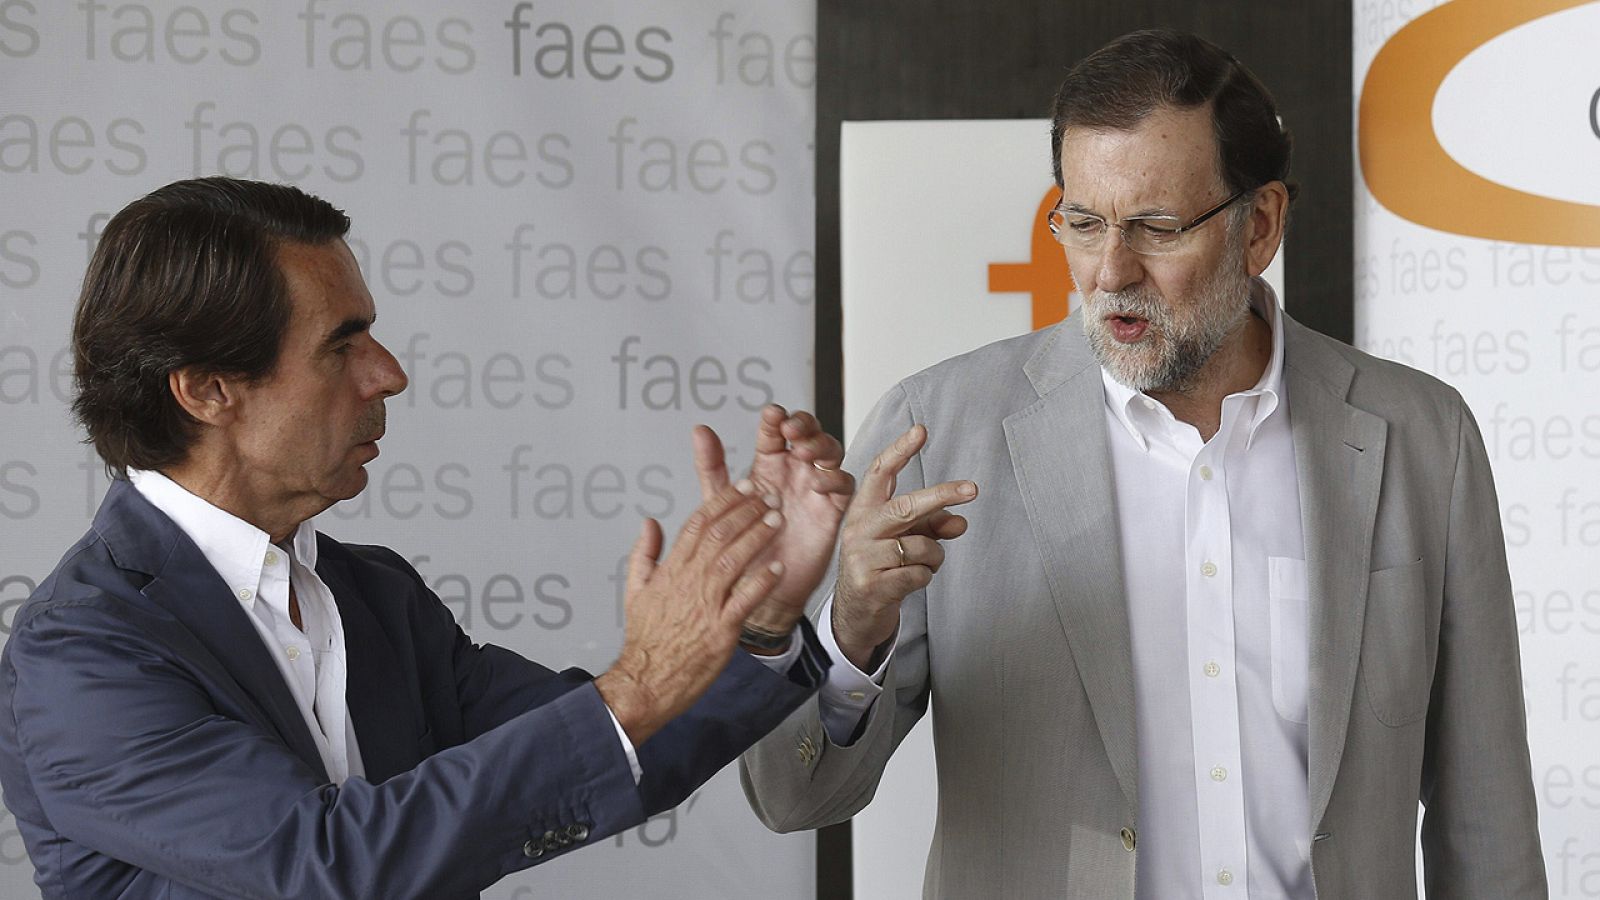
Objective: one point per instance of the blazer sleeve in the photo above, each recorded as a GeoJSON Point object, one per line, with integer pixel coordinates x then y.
{"type": "Point", "coordinates": [1480, 834]}
{"type": "Point", "coordinates": [797, 777]}
{"type": "Point", "coordinates": [127, 754]}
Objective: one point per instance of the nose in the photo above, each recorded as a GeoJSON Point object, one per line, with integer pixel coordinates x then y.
{"type": "Point", "coordinates": [1118, 266]}
{"type": "Point", "coordinates": [387, 378]}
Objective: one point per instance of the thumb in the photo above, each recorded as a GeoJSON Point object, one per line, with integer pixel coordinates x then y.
{"type": "Point", "coordinates": [642, 559]}
{"type": "Point", "coordinates": [710, 462]}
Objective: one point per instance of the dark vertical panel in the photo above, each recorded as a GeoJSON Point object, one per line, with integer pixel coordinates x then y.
{"type": "Point", "coordinates": [939, 59]}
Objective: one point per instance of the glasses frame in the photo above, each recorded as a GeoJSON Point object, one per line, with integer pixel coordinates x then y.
{"type": "Point", "coordinates": [1122, 225]}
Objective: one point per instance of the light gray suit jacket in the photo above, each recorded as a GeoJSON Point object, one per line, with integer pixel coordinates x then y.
{"type": "Point", "coordinates": [1022, 641]}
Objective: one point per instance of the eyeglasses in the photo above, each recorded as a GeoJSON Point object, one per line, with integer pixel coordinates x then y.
{"type": "Point", "coordinates": [1148, 235]}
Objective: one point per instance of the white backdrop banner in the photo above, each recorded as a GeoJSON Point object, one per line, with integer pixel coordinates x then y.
{"type": "Point", "coordinates": [588, 226]}
{"type": "Point", "coordinates": [1478, 259]}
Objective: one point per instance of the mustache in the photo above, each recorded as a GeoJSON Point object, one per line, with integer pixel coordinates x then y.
{"type": "Point", "coordinates": [1140, 303]}
{"type": "Point", "coordinates": [372, 423]}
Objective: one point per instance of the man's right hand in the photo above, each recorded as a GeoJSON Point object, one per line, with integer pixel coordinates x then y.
{"type": "Point", "coordinates": [684, 614]}
{"type": "Point", "coordinates": [890, 547]}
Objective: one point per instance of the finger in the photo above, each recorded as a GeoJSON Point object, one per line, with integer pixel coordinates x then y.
{"type": "Point", "coordinates": [816, 447]}
{"type": "Point", "coordinates": [769, 430]}
{"type": "Point", "coordinates": [734, 557]}
{"type": "Point", "coordinates": [694, 528]}
{"type": "Point", "coordinates": [902, 581]}
{"type": "Point", "coordinates": [710, 461]}
{"type": "Point", "coordinates": [836, 481]}
{"type": "Point", "coordinates": [642, 559]}
{"type": "Point", "coordinates": [901, 514]}
{"type": "Point", "coordinates": [945, 526]}
{"type": "Point", "coordinates": [878, 485]}
{"type": "Point", "coordinates": [919, 551]}
{"type": "Point", "coordinates": [748, 592]}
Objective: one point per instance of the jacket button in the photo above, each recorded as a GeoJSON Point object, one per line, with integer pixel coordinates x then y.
{"type": "Point", "coordinates": [578, 832]}
{"type": "Point", "coordinates": [1129, 839]}
{"type": "Point", "coordinates": [553, 841]}
{"type": "Point", "coordinates": [533, 849]}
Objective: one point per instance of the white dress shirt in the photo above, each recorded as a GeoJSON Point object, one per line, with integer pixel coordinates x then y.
{"type": "Point", "coordinates": [312, 661]}
{"type": "Point", "coordinates": [1213, 563]}
{"type": "Point", "coordinates": [259, 573]}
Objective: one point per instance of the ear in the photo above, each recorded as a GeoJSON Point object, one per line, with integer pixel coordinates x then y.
{"type": "Point", "coordinates": [208, 397]}
{"type": "Point", "coordinates": [1264, 230]}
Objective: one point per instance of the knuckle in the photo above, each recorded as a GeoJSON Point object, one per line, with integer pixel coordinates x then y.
{"type": "Point", "coordinates": [900, 507]}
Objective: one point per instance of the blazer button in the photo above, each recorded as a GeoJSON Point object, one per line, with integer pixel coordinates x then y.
{"type": "Point", "coordinates": [533, 849]}
{"type": "Point", "coordinates": [1129, 839]}
{"type": "Point", "coordinates": [578, 832]}
{"type": "Point", "coordinates": [553, 841]}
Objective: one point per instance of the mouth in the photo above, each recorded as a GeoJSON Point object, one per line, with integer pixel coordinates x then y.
{"type": "Point", "coordinates": [1127, 329]}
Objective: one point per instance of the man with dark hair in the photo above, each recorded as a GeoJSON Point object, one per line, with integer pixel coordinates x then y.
{"type": "Point", "coordinates": [207, 698]}
{"type": "Point", "coordinates": [1235, 595]}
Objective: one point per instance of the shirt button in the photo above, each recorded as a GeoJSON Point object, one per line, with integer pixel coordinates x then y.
{"type": "Point", "coordinates": [272, 558]}
{"type": "Point", "coordinates": [245, 594]}
{"type": "Point", "coordinates": [857, 696]}
{"type": "Point", "coordinates": [1205, 473]}
{"type": "Point", "coordinates": [1208, 569]}
{"type": "Point", "coordinates": [1213, 670]}
{"type": "Point", "coordinates": [1224, 877]}
{"type": "Point", "coordinates": [1149, 404]}
{"type": "Point", "coordinates": [293, 652]}
{"type": "Point", "coordinates": [1218, 773]}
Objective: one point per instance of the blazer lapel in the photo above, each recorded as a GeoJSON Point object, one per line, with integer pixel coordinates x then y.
{"type": "Point", "coordinates": [143, 539]}
{"type": "Point", "coordinates": [385, 723]}
{"type": "Point", "coordinates": [1338, 453]}
{"type": "Point", "coordinates": [1062, 461]}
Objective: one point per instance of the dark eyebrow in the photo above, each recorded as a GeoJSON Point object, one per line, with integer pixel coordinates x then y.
{"type": "Point", "coordinates": [350, 326]}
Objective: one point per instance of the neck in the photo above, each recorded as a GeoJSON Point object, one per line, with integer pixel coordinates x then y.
{"type": "Point", "coordinates": [1236, 366]}
{"type": "Point", "coordinates": [230, 492]}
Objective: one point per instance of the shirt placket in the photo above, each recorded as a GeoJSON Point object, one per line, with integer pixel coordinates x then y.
{"type": "Point", "coordinates": [1213, 685]}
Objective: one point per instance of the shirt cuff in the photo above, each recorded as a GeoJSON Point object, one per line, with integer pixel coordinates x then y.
{"type": "Point", "coordinates": [783, 661]}
{"type": "Point", "coordinates": [848, 692]}
{"type": "Point", "coordinates": [627, 747]}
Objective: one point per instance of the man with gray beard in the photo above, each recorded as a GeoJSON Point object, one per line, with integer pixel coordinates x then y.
{"type": "Point", "coordinates": [1234, 596]}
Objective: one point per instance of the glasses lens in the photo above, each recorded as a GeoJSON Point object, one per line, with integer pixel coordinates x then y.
{"type": "Point", "coordinates": [1077, 229]}
{"type": "Point", "coordinates": [1153, 235]}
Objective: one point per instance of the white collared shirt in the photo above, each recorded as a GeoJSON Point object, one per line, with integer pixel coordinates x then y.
{"type": "Point", "coordinates": [259, 573]}
{"type": "Point", "coordinates": [313, 662]}
{"type": "Point", "coordinates": [1214, 565]}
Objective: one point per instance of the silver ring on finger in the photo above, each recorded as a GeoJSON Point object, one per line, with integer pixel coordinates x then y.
{"type": "Point", "coordinates": [900, 549]}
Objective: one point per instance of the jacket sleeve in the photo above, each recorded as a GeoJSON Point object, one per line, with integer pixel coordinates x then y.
{"type": "Point", "coordinates": [797, 777]}
{"type": "Point", "coordinates": [128, 754]}
{"type": "Point", "coordinates": [1480, 835]}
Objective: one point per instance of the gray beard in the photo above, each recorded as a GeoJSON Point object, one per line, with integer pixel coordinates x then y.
{"type": "Point", "coordinates": [1181, 352]}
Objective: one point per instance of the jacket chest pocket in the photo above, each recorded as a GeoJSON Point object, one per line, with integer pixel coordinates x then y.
{"type": "Point", "coordinates": [1394, 645]}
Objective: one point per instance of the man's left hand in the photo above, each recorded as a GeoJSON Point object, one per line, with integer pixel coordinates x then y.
{"type": "Point", "coordinates": [797, 462]}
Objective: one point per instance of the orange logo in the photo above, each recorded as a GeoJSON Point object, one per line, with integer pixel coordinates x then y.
{"type": "Point", "coordinates": [1407, 169]}
{"type": "Point", "coordinates": [1045, 276]}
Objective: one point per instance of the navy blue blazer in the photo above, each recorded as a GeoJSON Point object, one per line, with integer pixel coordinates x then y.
{"type": "Point", "coordinates": [150, 748]}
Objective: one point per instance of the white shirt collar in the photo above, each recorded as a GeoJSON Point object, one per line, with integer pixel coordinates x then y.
{"type": "Point", "coordinates": [1125, 403]}
{"type": "Point", "coordinates": [234, 547]}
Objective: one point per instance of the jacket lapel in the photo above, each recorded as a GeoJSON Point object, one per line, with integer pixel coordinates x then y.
{"type": "Point", "coordinates": [1338, 452]}
{"type": "Point", "coordinates": [143, 539]}
{"type": "Point", "coordinates": [1062, 461]}
{"type": "Point", "coordinates": [385, 723]}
